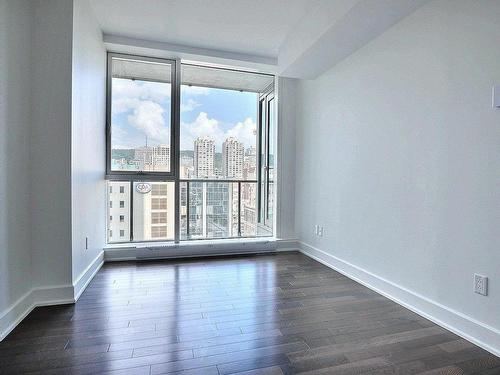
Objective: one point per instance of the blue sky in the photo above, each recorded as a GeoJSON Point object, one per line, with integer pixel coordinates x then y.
{"type": "Point", "coordinates": [141, 109]}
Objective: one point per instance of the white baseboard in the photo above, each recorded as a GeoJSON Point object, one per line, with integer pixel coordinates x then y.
{"type": "Point", "coordinates": [470, 329]}
{"type": "Point", "coordinates": [87, 275]}
{"type": "Point", "coordinates": [481, 334]}
{"type": "Point", "coordinates": [47, 296]}
{"type": "Point", "coordinates": [12, 316]}
{"type": "Point", "coordinates": [53, 295]}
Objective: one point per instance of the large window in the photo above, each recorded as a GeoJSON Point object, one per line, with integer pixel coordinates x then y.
{"type": "Point", "coordinates": [140, 114]}
{"type": "Point", "coordinates": [189, 151]}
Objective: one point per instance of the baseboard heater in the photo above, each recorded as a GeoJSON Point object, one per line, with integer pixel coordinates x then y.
{"type": "Point", "coordinates": [205, 249]}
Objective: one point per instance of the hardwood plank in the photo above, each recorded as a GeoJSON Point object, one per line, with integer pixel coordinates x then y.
{"type": "Point", "coordinates": [277, 314]}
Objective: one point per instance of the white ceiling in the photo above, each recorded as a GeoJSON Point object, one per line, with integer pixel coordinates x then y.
{"type": "Point", "coordinates": [256, 27]}
{"type": "Point", "coordinates": [293, 38]}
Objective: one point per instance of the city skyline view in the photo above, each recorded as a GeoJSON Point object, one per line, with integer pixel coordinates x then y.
{"type": "Point", "coordinates": [217, 194]}
{"type": "Point", "coordinates": [141, 113]}
{"type": "Point", "coordinates": [218, 141]}
{"type": "Point", "coordinates": [141, 128]}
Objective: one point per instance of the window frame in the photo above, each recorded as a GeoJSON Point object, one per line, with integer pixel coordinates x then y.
{"type": "Point", "coordinates": [174, 121]}
{"type": "Point", "coordinates": [173, 175]}
{"type": "Point", "coordinates": [268, 95]}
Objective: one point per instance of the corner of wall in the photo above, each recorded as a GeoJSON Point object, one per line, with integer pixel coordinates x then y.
{"type": "Point", "coordinates": [88, 119]}
{"type": "Point", "coordinates": [40, 296]}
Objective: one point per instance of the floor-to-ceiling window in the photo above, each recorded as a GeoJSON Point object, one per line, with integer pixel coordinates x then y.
{"type": "Point", "coordinates": [190, 151]}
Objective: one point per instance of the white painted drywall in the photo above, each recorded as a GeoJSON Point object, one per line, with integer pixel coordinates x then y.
{"type": "Point", "coordinates": [15, 103]}
{"type": "Point", "coordinates": [88, 131]}
{"type": "Point", "coordinates": [286, 158]}
{"type": "Point", "coordinates": [398, 156]}
{"type": "Point", "coordinates": [52, 193]}
{"type": "Point", "coordinates": [50, 142]}
{"type": "Point", "coordinates": [320, 17]}
{"type": "Point", "coordinates": [250, 27]}
{"type": "Point", "coordinates": [333, 30]}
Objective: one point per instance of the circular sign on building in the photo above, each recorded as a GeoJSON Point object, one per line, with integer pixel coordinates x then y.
{"type": "Point", "coordinates": [143, 187]}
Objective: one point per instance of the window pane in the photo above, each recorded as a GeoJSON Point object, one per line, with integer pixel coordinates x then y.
{"type": "Point", "coordinates": [140, 115]}
{"type": "Point", "coordinates": [272, 132]}
{"type": "Point", "coordinates": [183, 210]}
{"type": "Point", "coordinates": [263, 159]}
{"type": "Point", "coordinates": [248, 209]}
{"type": "Point", "coordinates": [118, 230]}
{"type": "Point", "coordinates": [218, 134]}
{"type": "Point", "coordinates": [270, 186]}
{"type": "Point", "coordinates": [212, 210]}
{"type": "Point", "coordinates": [270, 201]}
{"type": "Point", "coordinates": [219, 171]}
{"type": "Point", "coordinates": [154, 211]}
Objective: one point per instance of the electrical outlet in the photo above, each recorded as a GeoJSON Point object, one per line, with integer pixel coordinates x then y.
{"type": "Point", "coordinates": [320, 231]}
{"type": "Point", "coordinates": [86, 243]}
{"type": "Point", "coordinates": [316, 229]}
{"type": "Point", "coordinates": [480, 284]}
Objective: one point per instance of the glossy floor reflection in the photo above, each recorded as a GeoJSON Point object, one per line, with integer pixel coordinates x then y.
{"type": "Point", "coordinates": [265, 315]}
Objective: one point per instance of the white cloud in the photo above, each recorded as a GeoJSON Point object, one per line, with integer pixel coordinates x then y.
{"type": "Point", "coordinates": [141, 101]}
{"type": "Point", "coordinates": [128, 94]}
{"type": "Point", "coordinates": [148, 117]}
{"type": "Point", "coordinates": [121, 139]}
{"type": "Point", "coordinates": [244, 132]}
{"type": "Point", "coordinates": [189, 106]}
{"type": "Point", "coordinates": [122, 105]}
{"type": "Point", "coordinates": [204, 126]}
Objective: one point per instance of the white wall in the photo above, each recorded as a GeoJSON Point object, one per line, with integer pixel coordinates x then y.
{"type": "Point", "coordinates": [398, 157]}
{"type": "Point", "coordinates": [286, 158]}
{"type": "Point", "coordinates": [51, 142]}
{"type": "Point", "coordinates": [52, 126]}
{"type": "Point", "coordinates": [15, 224]}
{"type": "Point", "coordinates": [88, 140]}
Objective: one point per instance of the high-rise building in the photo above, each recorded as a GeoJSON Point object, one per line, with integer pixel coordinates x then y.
{"type": "Point", "coordinates": [161, 158]}
{"type": "Point", "coordinates": [119, 212]}
{"type": "Point", "coordinates": [213, 210]}
{"type": "Point", "coordinates": [156, 158]}
{"type": "Point", "coordinates": [232, 158]}
{"type": "Point", "coordinates": [153, 204]}
{"type": "Point", "coordinates": [187, 166]}
{"type": "Point", "coordinates": [204, 154]}
{"type": "Point", "coordinates": [250, 164]}
{"type": "Point", "coordinates": [143, 158]}
{"type": "Point", "coordinates": [153, 211]}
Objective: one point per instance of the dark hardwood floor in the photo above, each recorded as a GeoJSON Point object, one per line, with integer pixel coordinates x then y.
{"type": "Point", "coordinates": [254, 315]}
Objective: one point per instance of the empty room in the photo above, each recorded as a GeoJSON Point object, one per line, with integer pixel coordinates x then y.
{"type": "Point", "coordinates": [250, 187]}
